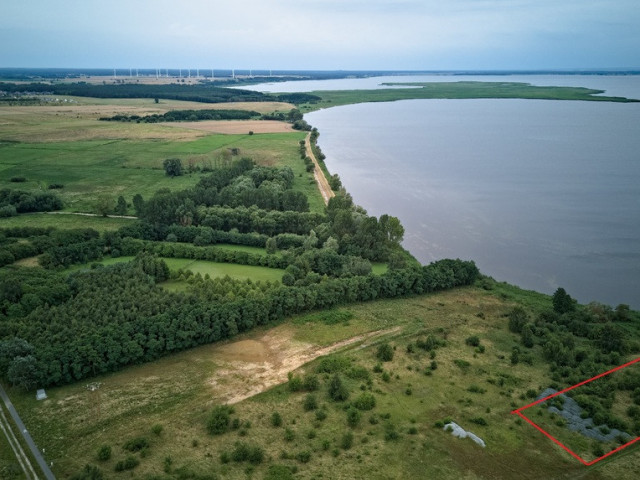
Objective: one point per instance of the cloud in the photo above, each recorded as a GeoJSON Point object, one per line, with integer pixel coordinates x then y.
{"type": "Point", "coordinates": [323, 33]}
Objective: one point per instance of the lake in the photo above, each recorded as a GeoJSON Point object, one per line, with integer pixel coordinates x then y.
{"type": "Point", "coordinates": [539, 193]}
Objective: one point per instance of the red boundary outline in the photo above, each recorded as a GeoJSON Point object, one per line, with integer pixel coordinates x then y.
{"type": "Point", "coordinates": [518, 412]}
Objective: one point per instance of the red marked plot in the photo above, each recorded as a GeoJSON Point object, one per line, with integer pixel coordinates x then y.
{"type": "Point", "coordinates": [555, 440]}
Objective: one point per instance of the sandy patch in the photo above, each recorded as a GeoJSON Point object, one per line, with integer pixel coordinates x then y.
{"type": "Point", "coordinates": [248, 367]}
{"type": "Point", "coordinates": [235, 126]}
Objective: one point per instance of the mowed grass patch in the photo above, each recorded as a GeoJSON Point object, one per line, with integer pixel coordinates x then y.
{"type": "Point", "coordinates": [204, 267]}
{"type": "Point", "coordinates": [62, 221]}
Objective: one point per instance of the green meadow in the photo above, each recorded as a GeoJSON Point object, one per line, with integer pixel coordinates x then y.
{"type": "Point", "coordinates": [458, 90]}
{"type": "Point", "coordinates": [89, 169]}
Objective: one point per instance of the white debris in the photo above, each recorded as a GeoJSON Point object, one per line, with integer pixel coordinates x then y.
{"type": "Point", "coordinates": [457, 431]}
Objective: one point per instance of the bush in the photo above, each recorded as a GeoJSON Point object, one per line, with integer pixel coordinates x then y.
{"type": "Point", "coordinates": [136, 444]}
{"type": "Point", "coordinates": [243, 452]}
{"type": "Point", "coordinates": [18, 179]}
{"type": "Point", "coordinates": [55, 186]}
{"type": "Point", "coordinates": [337, 390]}
{"type": "Point", "coordinates": [128, 463]}
{"type": "Point", "coordinates": [295, 383]}
{"type": "Point", "coordinates": [156, 429]}
{"type": "Point", "coordinates": [390, 432]}
{"type": "Point", "coordinates": [310, 383]}
{"type": "Point", "coordinates": [219, 419]}
{"type": "Point", "coordinates": [346, 442]}
{"type": "Point", "coordinates": [303, 456]}
{"type": "Point", "coordinates": [353, 417]}
{"type": "Point", "coordinates": [365, 401]}
{"type": "Point", "coordinates": [462, 364]}
{"type": "Point", "coordinates": [278, 472]}
{"type": "Point", "coordinates": [89, 472]}
{"type": "Point", "coordinates": [321, 414]}
{"type": "Point", "coordinates": [479, 421]}
{"type": "Point", "coordinates": [473, 341]}
{"type": "Point", "coordinates": [8, 211]}
{"type": "Point", "coordinates": [385, 352]}
{"type": "Point", "coordinates": [289, 435]}
{"type": "Point", "coordinates": [276, 419]}
{"type": "Point", "coordinates": [104, 453]}
{"type": "Point", "coordinates": [310, 402]}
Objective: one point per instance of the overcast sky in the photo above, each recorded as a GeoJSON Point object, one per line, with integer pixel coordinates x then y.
{"type": "Point", "coordinates": [321, 34]}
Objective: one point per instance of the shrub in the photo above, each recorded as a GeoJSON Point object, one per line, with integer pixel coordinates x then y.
{"type": "Point", "coordinates": [8, 211]}
{"type": "Point", "coordinates": [136, 444]}
{"type": "Point", "coordinates": [278, 472]}
{"type": "Point", "coordinates": [365, 401]}
{"type": "Point", "coordinates": [377, 368]}
{"type": "Point", "coordinates": [219, 419]}
{"type": "Point", "coordinates": [333, 364]}
{"type": "Point", "coordinates": [337, 390]}
{"type": "Point", "coordinates": [476, 389]}
{"type": "Point", "coordinates": [303, 456]}
{"type": "Point", "coordinates": [479, 421]}
{"type": "Point", "coordinates": [276, 419]}
{"type": "Point", "coordinates": [384, 352]}
{"type": "Point", "coordinates": [157, 429]}
{"type": "Point", "coordinates": [433, 365]}
{"type": "Point", "coordinates": [462, 364]}
{"type": "Point", "coordinates": [310, 402]}
{"type": "Point", "coordinates": [321, 414]}
{"type": "Point", "coordinates": [353, 417]}
{"type": "Point", "coordinates": [386, 377]}
{"type": "Point", "coordinates": [243, 452]}
{"type": "Point", "coordinates": [295, 383]}
{"type": "Point", "coordinates": [89, 472]}
{"type": "Point", "coordinates": [473, 341]}
{"type": "Point", "coordinates": [358, 373]}
{"type": "Point", "coordinates": [104, 453]}
{"type": "Point", "coordinates": [390, 432]}
{"type": "Point", "coordinates": [310, 383]}
{"type": "Point", "coordinates": [128, 463]}
{"type": "Point", "coordinates": [346, 442]}
{"type": "Point", "coordinates": [18, 179]}
{"type": "Point", "coordinates": [55, 186]}
{"type": "Point", "coordinates": [289, 435]}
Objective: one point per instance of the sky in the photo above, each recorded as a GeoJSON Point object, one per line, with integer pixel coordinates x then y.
{"type": "Point", "coordinates": [322, 34]}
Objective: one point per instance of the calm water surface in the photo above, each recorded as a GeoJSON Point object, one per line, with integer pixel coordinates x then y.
{"type": "Point", "coordinates": [539, 193]}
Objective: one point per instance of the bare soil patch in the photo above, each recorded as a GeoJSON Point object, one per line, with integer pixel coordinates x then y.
{"type": "Point", "coordinates": [248, 367]}
{"type": "Point", "coordinates": [235, 126]}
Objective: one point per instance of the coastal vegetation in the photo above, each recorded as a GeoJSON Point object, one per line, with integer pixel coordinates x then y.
{"type": "Point", "coordinates": [237, 327]}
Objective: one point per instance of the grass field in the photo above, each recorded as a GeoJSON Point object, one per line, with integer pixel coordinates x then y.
{"type": "Point", "coordinates": [204, 267]}
{"type": "Point", "coordinates": [396, 439]}
{"type": "Point", "coordinates": [91, 168]}
{"type": "Point", "coordinates": [44, 220]}
{"type": "Point", "coordinates": [457, 90]}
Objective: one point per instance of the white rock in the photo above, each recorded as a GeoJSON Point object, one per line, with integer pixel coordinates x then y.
{"type": "Point", "coordinates": [457, 431]}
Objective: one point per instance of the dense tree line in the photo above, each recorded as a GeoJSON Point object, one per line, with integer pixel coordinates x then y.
{"type": "Point", "coordinates": [241, 184]}
{"type": "Point", "coordinates": [13, 202]}
{"type": "Point", "coordinates": [185, 116]}
{"type": "Point", "coordinates": [116, 316]}
{"type": "Point", "coordinates": [202, 92]}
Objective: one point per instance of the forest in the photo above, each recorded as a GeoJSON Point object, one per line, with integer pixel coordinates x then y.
{"type": "Point", "coordinates": [59, 327]}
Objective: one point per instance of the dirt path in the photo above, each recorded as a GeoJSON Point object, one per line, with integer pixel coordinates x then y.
{"type": "Point", "coordinates": [248, 367]}
{"type": "Point", "coordinates": [321, 180]}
